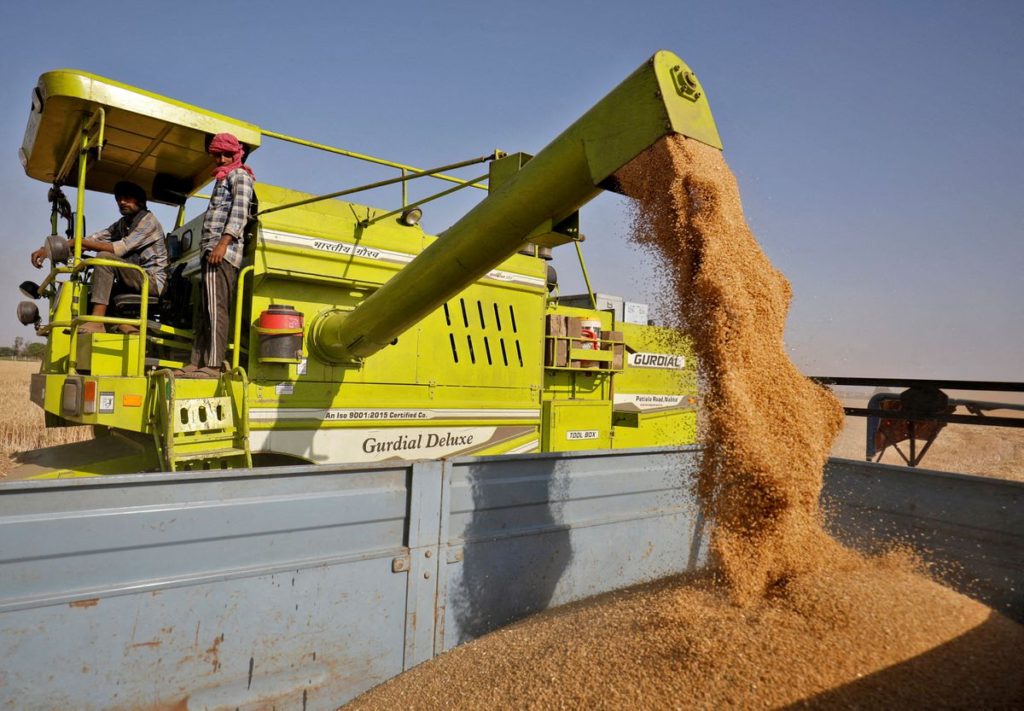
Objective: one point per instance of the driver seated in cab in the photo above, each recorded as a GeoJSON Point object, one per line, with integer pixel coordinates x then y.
{"type": "Point", "coordinates": [137, 238]}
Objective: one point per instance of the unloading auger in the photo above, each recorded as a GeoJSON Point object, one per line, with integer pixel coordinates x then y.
{"type": "Point", "coordinates": [661, 97]}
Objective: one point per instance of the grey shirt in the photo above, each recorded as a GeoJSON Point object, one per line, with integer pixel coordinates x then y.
{"type": "Point", "coordinates": [139, 239]}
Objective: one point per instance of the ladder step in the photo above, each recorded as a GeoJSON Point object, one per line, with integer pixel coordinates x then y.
{"type": "Point", "coordinates": [202, 414]}
{"type": "Point", "coordinates": [205, 437]}
{"type": "Point", "coordinates": [201, 430]}
{"type": "Point", "coordinates": [224, 453]}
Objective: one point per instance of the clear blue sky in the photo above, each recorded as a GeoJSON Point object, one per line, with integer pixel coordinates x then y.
{"type": "Point", "coordinates": [879, 146]}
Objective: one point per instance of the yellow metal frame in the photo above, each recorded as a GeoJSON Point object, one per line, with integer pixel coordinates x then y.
{"type": "Point", "coordinates": [139, 323]}
{"type": "Point", "coordinates": [69, 159]}
{"type": "Point", "coordinates": [407, 205]}
{"type": "Point", "coordinates": [83, 168]}
{"type": "Point", "coordinates": [130, 114]}
{"type": "Point", "coordinates": [586, 277]}
{"type": "Point", "coordinates": [90, 139]}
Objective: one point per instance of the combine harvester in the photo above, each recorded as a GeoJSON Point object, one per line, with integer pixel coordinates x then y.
{"type": "Point", "coordinates": [357, 337]}
{"type": "Point", "coordinates": [371, 367]}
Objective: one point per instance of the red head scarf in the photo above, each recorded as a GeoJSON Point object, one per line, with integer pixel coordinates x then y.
{"type": "Point", "coordinates": [226, 143]}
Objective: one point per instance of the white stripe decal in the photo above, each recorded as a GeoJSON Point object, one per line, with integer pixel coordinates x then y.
{"type": "Point", "coordinates": [532, 446]}
{"type": "Point", "coordinates": [647, 401]}
{"type": "Point", "coordinates": [346, 249]}
{"type": "Point", "coordinates": [349, 249]}
{"type": "Point", "coordinates": [211, 314]}
{"type": "Point", "coordinates": [376, 444]}
{"type": "Point", "coordinates": [274, 414]}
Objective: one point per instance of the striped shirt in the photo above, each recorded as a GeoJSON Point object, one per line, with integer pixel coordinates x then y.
{"type": "Point", "coordinates": [228, 213]}
{"type": "Point", "coordinates": [139, 239]}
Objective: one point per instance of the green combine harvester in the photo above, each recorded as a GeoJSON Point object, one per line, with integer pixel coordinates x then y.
{"type": "Point", "coordinates": [357, 337]}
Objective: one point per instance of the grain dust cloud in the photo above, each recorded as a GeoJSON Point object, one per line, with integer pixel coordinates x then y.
{"type": "Point", "coordinates": [784, 614]}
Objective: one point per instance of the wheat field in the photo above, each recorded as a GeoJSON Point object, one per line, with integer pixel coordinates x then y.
{"type": "Point", "coordinates": [22, 426]}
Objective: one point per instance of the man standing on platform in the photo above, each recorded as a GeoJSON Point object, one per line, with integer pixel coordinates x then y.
{"type": "Point", "coordinates": [221, 247]}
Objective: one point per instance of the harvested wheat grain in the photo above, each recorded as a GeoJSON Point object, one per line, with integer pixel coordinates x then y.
{"type": "Point", "coordinates": [841, 640]}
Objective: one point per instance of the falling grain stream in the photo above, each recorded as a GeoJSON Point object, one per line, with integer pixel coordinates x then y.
{"type": "Point", "coordinates": [784, 615]}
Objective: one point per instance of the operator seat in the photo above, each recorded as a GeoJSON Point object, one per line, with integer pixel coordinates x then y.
{"type": "Point", "coordinates": [170, 308]}
{"type": "Point", "coordinates": [129, 306]}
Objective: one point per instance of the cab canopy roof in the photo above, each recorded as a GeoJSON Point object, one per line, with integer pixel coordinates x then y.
{"type": "Point", "coordinates": [151, 140]}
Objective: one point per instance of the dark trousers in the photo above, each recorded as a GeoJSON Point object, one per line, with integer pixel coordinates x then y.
{"type": "Point", "coordinates": [108, 281]}
{"type": "Point", "coordinates": [214, 327]}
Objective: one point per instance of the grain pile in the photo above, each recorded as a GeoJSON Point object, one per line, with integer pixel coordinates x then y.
{"type": "Point", "coordinates": [786, 615]}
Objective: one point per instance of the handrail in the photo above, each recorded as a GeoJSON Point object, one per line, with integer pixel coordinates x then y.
{"type": "Point", "coordinates": [236, 345]}
{"type": "Point", "coordinates": [242, 421]}
{"type": "Point", "coordinates": [586, 277]}
{"type": "Point", "coordinates": [84, 143]}
{"type": "Point", "coordinates": [408, 173]}
{"type": "Point", "coordinates": [417, 203]}
{"type": "Point", "coordinates": [54, 271]}
{"type": "Point", "coordinates": [139, 323]}
{"type": "Point", "coordinates": [160, 417]}
{"type": "Point", "coordinates": [381, 183]}
{"type": "Point", "coordinates": [368, 158]}
{"type": "Point", "coordinates": [989, 385]}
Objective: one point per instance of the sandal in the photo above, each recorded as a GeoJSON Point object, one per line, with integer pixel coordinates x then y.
{"type": "Point", "coordinates": [184, 370]}
{"type": "Point", "coordinates": [202, 373]}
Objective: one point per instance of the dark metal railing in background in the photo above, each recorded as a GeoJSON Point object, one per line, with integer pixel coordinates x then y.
{"type": "Point", "coordinates": [941, 385]}
{"type": "Point", "coordinates": [922, 401]}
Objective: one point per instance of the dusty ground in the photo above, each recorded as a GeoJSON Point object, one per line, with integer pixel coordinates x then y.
{"type": "Point", "coordinates": [965, 449]}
